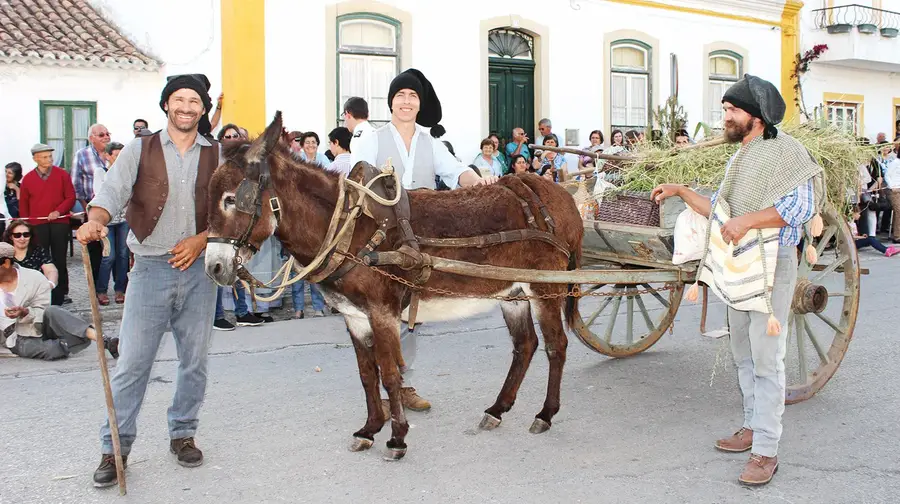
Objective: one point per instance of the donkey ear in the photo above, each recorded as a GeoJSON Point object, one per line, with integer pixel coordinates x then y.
{"type": "Point", "coordinates": [266, 142]}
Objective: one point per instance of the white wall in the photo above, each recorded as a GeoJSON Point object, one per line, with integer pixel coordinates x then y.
{"type": "Point", "coordinates": [447, 49]}
{"type": "Point", "coordinates": [878, 85]}
{"type": "Point", "coordinates": [295, 64]}
{"type": "Point", "coordinates": [121, 96]}
{"type": "Point", "coordinates": [878, 88]}
{"type": "Point", "coordinates": [873, 49]}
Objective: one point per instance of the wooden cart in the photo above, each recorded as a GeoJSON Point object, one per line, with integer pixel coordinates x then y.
{"type": "Point", "coordinates": [820, 326]}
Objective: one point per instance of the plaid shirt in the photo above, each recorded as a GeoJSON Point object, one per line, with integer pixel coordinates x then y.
{"type": "Point", "coordinates": [87, 161]}
{"type": "Point", "coordinates": [795, 209]}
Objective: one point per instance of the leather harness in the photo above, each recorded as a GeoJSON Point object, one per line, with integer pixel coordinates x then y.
{"type": "Point", "coordinates": [248, 200]}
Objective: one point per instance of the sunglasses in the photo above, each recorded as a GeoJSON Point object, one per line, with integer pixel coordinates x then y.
{"type": "Point", "coordinates": [26, 234]}
{"type": "Point", "coordinates": [102, 134]}
{"type": "Point", "coordinates": [229, 137]}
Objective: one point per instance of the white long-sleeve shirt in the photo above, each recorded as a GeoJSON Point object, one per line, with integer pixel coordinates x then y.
{"type": "Point", "coordinates": [361, 130]}
{"type": "Point", "coordinates": [892, 174]}
{"type": "Point", "coordinates": [447, 167]}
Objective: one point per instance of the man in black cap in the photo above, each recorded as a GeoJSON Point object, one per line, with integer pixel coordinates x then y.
{"type": "Point", "coordinates": [409, 141]}
{"type": "Point", "coordinates": [162, 181]}
{"type": "Point", "coordinates": [772, 181]}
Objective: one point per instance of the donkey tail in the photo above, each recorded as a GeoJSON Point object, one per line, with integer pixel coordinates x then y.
{"type": "Point", "coordinates": [571, 310]}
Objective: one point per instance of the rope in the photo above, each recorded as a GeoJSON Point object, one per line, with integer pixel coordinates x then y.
{"type": "Point", "coordinates": [327, 246]}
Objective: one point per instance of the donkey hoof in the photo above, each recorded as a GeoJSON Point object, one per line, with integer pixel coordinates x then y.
{"type": "Point", "coordinates": [394, 454]}
{"type": "Point", "coordinates": [360, 444]}
{"type": "Point", "coordinates": [489, 422]}
{"type": "Point", "coordinates": [539, 426]}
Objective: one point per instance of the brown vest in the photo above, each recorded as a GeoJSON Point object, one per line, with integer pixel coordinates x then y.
{"type": "Point", "coordinates": [151, 188]}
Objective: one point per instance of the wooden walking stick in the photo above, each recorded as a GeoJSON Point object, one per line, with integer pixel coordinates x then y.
{"type": "Point", "coordinates": [104, 371]}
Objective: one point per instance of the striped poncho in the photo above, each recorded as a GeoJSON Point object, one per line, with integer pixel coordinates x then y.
{"type": "Point", "coordinates": [760, 173]}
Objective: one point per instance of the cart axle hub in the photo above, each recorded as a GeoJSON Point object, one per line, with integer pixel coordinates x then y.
{"type": "Point", "coordinates": [809, 297]}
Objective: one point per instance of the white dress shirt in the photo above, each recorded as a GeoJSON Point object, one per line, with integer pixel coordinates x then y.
{"type": "Point", "coordinates": [361, 130]}
{"type": "Point", "coordinates": [447, 167]}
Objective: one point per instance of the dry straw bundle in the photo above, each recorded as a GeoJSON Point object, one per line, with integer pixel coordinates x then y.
{"type": "Point", "coordinates": [839, 153]}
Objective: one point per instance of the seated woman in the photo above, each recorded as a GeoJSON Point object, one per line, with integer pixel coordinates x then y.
{"type": "Point", "coordinates": [860, 221]}
{"type": "Point", "coordinates": [28, 253]}
{"type": "Point", "coordinates": [230, 132]}
{"type": "Point", "coordinates": [498, 152]}
{"type": "Point", "coordinates": [633, 138]}
{"type": "Point", "coordinates": [33, 329]}
{"type": "Point", "coordinates": [551, 165]}
{"type": "Point", "coordinates": [11, 192]}
{"type": "Point", "coordinates": [486, 160]}
{"type": "Point", "coordinates": [309, 142]}
{"type": "Point", "coordinates": [519, 164]}
{"type": "Point", "coordinates": [596, 138]}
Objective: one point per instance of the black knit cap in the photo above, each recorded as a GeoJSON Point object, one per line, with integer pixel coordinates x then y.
{"type": "Point", "coordinates": [759, 98]}
{"type": "Point", "coordinates": [196, 82]}
{"type": "Point", "coordinates": [429, 105]}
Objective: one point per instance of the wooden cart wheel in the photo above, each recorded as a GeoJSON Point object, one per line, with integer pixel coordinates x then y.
{"type": "Point", "coordinates": [824, 311]}
{"type": "Point", "coordinates": [630, 320]}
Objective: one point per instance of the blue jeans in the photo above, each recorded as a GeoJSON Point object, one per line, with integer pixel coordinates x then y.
{"type": "Point", "coordinates": [760, 358]}
{"type": "Point", "coordinates": [160, 295]}
{"type": "Point", "coordinates": [117, 261]}
{"type": "Point", "coordinates": [298, 292]}
{"type": "Point", "coordinates": [240, 300]}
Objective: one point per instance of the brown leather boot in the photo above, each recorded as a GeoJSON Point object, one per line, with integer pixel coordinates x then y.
{"type": "Point", "coordinates": [740, 441]}
{"type": "Point", "coordinates": [759, 470]}
{"type": "Point", "coordinates": [412, 400]}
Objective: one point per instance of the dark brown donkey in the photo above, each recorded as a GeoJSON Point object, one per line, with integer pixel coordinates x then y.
{"type": "Point", "coordinates": [373, 304]}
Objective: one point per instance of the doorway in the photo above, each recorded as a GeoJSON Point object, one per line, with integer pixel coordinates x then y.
{"type": "Point", "coordinates": [510, 82]}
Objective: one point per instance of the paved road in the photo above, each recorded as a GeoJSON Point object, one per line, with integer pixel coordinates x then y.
{"type": "Point", "coordinates": [636, 430]}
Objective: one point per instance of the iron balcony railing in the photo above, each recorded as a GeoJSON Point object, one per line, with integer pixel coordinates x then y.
{"type": "Point", "coordinates": [843, 18]}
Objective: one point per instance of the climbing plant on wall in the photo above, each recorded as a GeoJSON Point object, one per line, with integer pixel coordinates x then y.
{"type": "Point", "coordinates": [801, 66]}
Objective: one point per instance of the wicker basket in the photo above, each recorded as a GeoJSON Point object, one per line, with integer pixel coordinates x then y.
{"type": "Point", "coordinates": [628, 208]}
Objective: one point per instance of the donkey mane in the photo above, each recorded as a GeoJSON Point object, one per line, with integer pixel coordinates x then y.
{"type": "Point", "coordinates": [290, 167]}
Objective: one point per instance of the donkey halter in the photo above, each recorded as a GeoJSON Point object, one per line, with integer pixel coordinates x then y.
{"type": "Point", "coordinates": [248, 200]}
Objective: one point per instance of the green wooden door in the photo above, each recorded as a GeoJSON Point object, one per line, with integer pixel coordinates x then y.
{"type": "Point", "coordinates": [511, 95]}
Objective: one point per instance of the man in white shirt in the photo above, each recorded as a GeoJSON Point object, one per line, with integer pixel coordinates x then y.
{"type": "Point", "coordinates": [356, 119]}
{"type": "Point", "coordinates": [892, 181]}
{"type": "Point", "coordinates": [418, 159]}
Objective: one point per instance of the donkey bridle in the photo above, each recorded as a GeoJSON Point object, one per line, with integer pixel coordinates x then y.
{"type": "Point", "coordinates": [248, 200]}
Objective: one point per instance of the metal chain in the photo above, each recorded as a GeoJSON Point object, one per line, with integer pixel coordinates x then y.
{"type": "Point", "coordinates": [576, 292]}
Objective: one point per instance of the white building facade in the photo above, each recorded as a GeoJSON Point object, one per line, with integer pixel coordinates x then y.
{"type": "Point", "coordinates": [496, 65]}
{"type": "Point", "coordinates": [855, 83]}
{"type": "Point", "coordinates": [585, 64]}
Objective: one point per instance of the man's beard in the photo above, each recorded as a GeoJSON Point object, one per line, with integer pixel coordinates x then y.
{"type": "Point", "coordinates": [184, 129]}
{"type": "Point", "coordinates": [735, 132]}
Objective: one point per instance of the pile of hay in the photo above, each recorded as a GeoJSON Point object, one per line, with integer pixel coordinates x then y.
{"type": "Point", "coordinates": [836, 151]}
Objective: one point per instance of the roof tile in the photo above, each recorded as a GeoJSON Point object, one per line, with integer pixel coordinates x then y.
{"type": "Point", "coordinates": [63, 32]}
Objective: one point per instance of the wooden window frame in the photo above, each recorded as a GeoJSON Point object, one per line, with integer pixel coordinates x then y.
{"type": "Point", "coordinates": [647, 73]}
{"type": "Point", "coordinates": [711, 77]}
{"type": "Point", "coordinates": [67, 107]}
{"type": "Point", "coordinates": [844, 105]}
{"type": "Point", "coordinates": [363, 51]}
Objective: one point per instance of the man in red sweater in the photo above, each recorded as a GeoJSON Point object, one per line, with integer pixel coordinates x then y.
{"type": "Point", "coordinates": [47, 194]}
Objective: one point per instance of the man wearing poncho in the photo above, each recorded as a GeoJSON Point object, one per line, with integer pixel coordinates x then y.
{"type": "Point", "coordinates": [767, 201]}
